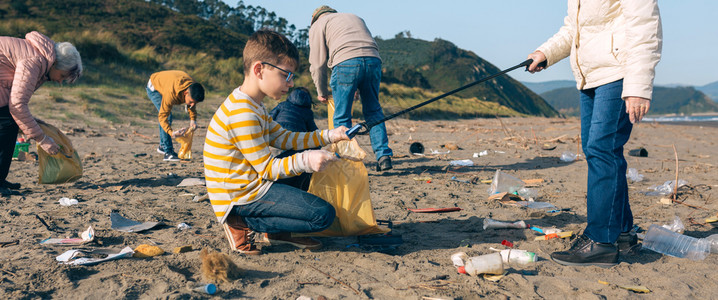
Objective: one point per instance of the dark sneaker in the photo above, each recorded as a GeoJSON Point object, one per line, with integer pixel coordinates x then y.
{"type": "Point", "coordinates": [160, 150]}
{"type": "Point", "coordinates": [586, 252]}
{"type": "Point", "coordinates": [171, 157]}
{"type": "Point", "coordinates": [628, 243]}
{"type": "Point", "coordinates": [9, 185]}
{"type": "Point", "coordinates": [239, 236]}
{"type": "Point", "coordinates": [287, 239]}
{"type": "Point", "coordinates": [384, 164]}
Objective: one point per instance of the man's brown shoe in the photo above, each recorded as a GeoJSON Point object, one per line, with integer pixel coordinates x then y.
{"type": "Point", "coordinates": [239, 237]}
{"type": "Point", "coordinates": [299, 242]}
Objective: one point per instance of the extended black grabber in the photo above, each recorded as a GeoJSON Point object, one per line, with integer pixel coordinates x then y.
{"type": "Point", "coordinates": [364, 127]}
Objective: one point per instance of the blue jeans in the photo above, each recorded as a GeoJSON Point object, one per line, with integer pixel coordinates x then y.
{"type": "Point", "coordinates": [363, 74]}
{"type": "Point", "coordinates": [605, 128]}
{"type": "Point", "coordinates": [285, 208]}
{"type": "Point", "coordinates": [165, 138]}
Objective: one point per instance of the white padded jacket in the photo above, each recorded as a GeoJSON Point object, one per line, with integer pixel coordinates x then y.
{"type": "Point", "coordinates": [608, 40]}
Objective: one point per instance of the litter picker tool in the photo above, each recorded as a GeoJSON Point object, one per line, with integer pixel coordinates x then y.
{"type": "Point", "coordinates": [364, 127]}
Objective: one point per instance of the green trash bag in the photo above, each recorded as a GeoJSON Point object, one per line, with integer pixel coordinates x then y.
{"type": "Point", "coordinates": [63, 167]}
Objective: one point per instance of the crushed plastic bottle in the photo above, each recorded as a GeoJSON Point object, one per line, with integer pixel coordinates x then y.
{"type": "Point", "coordinates": [674, 244]}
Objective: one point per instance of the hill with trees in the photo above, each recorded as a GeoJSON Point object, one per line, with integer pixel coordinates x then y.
{"type": "Point", "coordinates": [123, 41]}
{"type": "Point", "coordinates": [666, 100]}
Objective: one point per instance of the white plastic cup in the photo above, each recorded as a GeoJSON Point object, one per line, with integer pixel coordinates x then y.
{"type": "Point", "coordinates": [209, 288]}
{"type": "Point", "coordinates": [485, 264]}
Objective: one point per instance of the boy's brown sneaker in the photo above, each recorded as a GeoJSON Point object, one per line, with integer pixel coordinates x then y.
{"type": "Point", "coordinates": [286, 238]}
{"type": "Point", "coordinates": [239, 237]}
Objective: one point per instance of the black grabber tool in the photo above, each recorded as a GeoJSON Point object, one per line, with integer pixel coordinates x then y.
{"type": "Point", "coordinates": [364, 127]}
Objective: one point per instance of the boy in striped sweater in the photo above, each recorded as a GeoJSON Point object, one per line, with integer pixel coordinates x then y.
{"type": "Point", "coordinates": [244, 181]}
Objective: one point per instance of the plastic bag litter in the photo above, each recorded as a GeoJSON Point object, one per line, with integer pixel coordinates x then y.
{"type": "Point", "coordinates": [633, 175]}
{"type": "Point", "coordinates": [666, 188]}
{"type": "Point", "coordinates": [64, 201]}
{"type": "Point", "coordinates": [676, 226]}
{"type": "Point", "coordinates": [568, 156]}
{"type": "Point", "coordinates": [66, 258]}
{"type": "Point", "coordinates": [185, 142]}
{"type": "Point", "coordinates": [505, 183]}
{"type": "Point", "coordinates": [63, 167]}
{"type": "Point", "coordinates": [463, 163]}
{"type": "Point", "coordinates": [344, 183]}
{"type": "Point", "coordinates": [528, 193]}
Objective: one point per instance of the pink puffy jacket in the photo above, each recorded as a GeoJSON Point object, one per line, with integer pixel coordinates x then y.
{"type": "Point", "coordinates": [24, 65]}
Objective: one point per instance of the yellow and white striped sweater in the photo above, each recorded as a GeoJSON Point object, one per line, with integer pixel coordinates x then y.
{"type": "Point", "coordinates": [238, 165]}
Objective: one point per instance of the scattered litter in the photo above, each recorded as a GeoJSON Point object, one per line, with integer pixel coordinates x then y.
{"type": "Point", "coordinates": [140, 154]}
{"type": "Point", "coordinates": [183, 249]}
{"type": "Point", "coordinates": [548, 147]}
{"type": "Point", "coordinates": [527, 193]}
{"type": "Point", "coordinates": [676, 226]}
{"type": "Point", "coordinates": [451, 146]}
{"type": "Point", "coordinates": [199, 198]}
{"type": "Point", "coordinates": [192, 182]}
{"type": "Point", "coordinates": [121, 223]}
{"type": "Point", "coordinates": [434, 210]}
{"type": "Point", "coordinates": [664, 241]}
{"type": "Point", "coordinates": [416, 148]}
{"type": "Point", "coordinates": [546, 231]}
{"type": "Point", "coordinates": [145, 251]}
{"type": "Point", "coordinates": [632, 288]}
{"type": "Point", "coordinates": [536, 205]}
{"type": "Point", "coordinates": [453, 178]}
{"type": "Point", "coordinates": [64, 201]}
{"type": "Point", "coordinates": [533, 182]}
{"type": "Point", "coordinates": [493, 224]}
{"type": "Point", "coordinates": [424, 178]}
{"type": "Point", "coordinates": [210, 289]}
{"type": "Point", "coordinates": [633, 175]}
{"type": "Point", "coordinates": [482, 153]}
{"type": "Point", "coordinates": [183, 226]}
{"type": "Point", "coordinates": [505, 183]}
{"type": "Point", "coordinates": [568, 156]}
{"type": "Point", "coordinates": [639, 152]}
{"type": "Point", "coordinates": [562, 235]}
{"type": "Point", "coordinates": [437, 152]}
{"type": "Point", "coordinates": [713, 240]}
{"type": "Point", "coordinates": [666, 188]}
{"type": "Point", "coordinates": [66, 258]}
{"type": "Point", "coordinates": [507, 243]}
{"type": "Point", "coordinates": [463, 163]}
{"type": "Point", "coordinates": [557, 210]}
{"type": "Point", "coordinates": [85, 237]}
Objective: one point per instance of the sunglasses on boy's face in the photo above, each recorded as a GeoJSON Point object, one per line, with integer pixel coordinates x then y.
{"type": "Point", "coordinates": [290, 75]}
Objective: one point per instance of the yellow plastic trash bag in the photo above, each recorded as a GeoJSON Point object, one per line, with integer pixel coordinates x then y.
{"type": "Point", "coordinates": [345, 185]}
{"type": "Point", "coordinates": [185, 141]}
{"type": "Point", "coordinates": [63, 167]}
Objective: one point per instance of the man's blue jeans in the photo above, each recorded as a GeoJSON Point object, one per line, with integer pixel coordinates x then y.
{"type": "Point", "coordinates": [285, 208]}
{"type": "Point", "coordinates": [362, 74]}
{"type": "Point", "coordinates": [165, 138]}
{"type": "Point", "coordinates": [605, 128]}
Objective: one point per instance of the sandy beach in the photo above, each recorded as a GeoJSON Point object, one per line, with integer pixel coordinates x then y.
{"type": "Point", "coordinates": [124, 174]}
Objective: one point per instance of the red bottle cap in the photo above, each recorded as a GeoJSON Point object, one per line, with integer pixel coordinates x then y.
{"type": "Point", "coordinates": [461, 270]}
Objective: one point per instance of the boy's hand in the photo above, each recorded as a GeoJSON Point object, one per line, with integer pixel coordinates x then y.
{"type": "Point", "coordinates": [316, 160]}
{"type": "Point", "coordinates": [193, 124]}
{"type": "Point", "coordinates": [338, 134]}
{"type": "Point", "coordinates": [323, 99]}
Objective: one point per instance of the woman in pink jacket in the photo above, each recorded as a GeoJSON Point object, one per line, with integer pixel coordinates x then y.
{"type": "Point", "coordinates": [614, 46]}
{"type": "Point", "coordinates": [25, 64]}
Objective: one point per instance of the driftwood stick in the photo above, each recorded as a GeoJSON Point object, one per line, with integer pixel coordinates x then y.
{"type": "Point", "coordinates": [506, 131]}
{"type": "Point", "coordinates": [337, 280]}
{"type": "Point", "coordinates": [675, 185]}
{"type": "Point", "coordinates": [534, 134]}
{"type": "Point", "coordinates": [43, 223]}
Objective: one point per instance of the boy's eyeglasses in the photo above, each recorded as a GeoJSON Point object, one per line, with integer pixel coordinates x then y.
{"type": "Point", "coordinates": [290, 75]}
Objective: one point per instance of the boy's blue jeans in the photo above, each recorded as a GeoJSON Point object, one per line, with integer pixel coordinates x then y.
{"type": "Point", "coordinates": [285, 208]}
{"type": "Point", "coordinates": [363, 74]}
{"type": "Point", "coordinates": [165, 138]}
{"type": "Point", "coordinates": [605, 128]}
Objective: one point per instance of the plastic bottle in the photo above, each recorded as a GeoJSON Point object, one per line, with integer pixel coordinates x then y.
{"type": "Point", "coordinates": [667, 242]}
{"type": "Point", "coordinates": [209, 288]}
{"type": "Point", "coordinates": [516, 257]}
{"type": "Point", "coordinates": [713, 240]}
{"type": "Point", "coordinates": [484, 264]}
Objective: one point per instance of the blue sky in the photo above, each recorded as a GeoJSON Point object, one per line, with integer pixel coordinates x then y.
{"type": "Point", "coordinates": [504, 32]}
